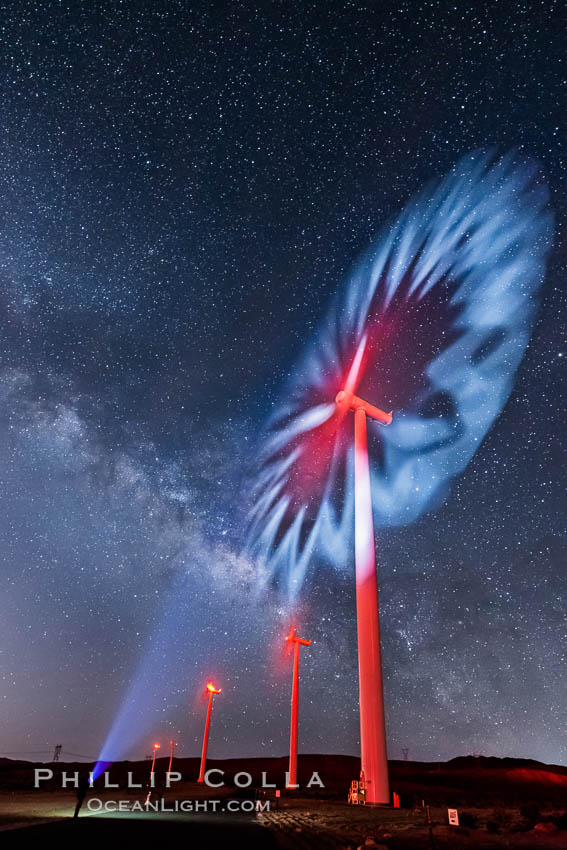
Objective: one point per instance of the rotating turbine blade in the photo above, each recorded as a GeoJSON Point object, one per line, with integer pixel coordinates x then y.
{"type": "Point", "coordinates": [355, 370]}
{"type": "Point", "coordinates": [433, 322]}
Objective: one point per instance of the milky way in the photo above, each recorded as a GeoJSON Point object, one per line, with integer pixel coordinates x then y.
{"type": "Point", "coordinates": [184, 189]}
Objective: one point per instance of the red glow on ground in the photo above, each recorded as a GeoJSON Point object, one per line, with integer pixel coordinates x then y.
{"type": "Point", "coordinates": [536, 777]}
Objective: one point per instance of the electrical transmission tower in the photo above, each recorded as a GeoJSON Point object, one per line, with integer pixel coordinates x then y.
{"type": "Point", "coordinates": [405, 752]}
{"type": "Point", "coordinates": [58, 748]}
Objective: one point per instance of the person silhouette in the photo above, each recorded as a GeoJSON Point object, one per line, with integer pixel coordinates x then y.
{"type": "Point", "coordinates": [82, 790]}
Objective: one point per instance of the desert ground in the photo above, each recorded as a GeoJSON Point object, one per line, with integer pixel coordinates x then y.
{"type": "Point", "coordinates": [501, 803]}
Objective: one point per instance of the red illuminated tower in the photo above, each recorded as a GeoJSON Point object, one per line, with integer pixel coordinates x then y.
{"type": "Point", "coordinates": [373, 752]}
{"type": "Point", "coordinates": [156, 748]}
{"type": "Point", "coordinates": [293, 639]}
{"type": "Point", "coordinates": [211, 691]}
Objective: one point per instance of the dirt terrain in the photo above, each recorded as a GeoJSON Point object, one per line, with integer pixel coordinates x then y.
{"type": "Point", "coordinates": [501, 803]}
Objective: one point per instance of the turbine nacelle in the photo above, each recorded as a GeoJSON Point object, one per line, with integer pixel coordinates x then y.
{"type": "Point", "coordinates": [350, 401]}
{"type": "Point", "coordinates": [292, 638]}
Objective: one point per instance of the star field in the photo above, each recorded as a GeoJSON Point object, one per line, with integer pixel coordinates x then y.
{"type": "Point", "coordinates": [184, 187]}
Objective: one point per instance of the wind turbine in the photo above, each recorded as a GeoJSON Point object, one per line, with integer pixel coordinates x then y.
{"type": "Point", "coordinates": [151, 783]}
{"type": "Point", "coordinates": [435, 319]}
{"type": "Point", "coordinates": [373, 750]}
{"type": "Point", "coordinates": [211, 690]}
{"type": "Point", "coordinates": [155, 748]}
{"type": "Point", "coordinates": [294, 641]}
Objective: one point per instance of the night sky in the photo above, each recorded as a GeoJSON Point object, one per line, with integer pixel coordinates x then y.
{"type": "Point", "coordinates": [184, 187]}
